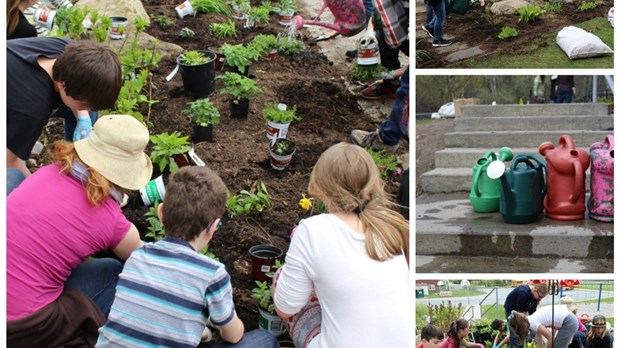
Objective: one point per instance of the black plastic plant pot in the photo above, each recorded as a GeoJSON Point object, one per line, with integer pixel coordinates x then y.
{"type": "Point", "coordinates": [239, 108]}
{"type": "Point", "coordinates": [199, 80]}
{"type": "Point", "coordinates": [203, 134]}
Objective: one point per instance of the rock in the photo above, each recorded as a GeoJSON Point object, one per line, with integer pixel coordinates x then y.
{"type": "Point", "coordinates": [508, 7]}
{"type": "Point", "coordinates": [144, 39]}
{"type": "Point", "coordinates": [131, 9]}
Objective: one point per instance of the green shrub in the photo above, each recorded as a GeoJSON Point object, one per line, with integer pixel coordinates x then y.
{"type": "Point", "coordinates": [507, 32]}
{"type": "Point", "coordinates": [290, 46]}
{"type": "Point", "coordinates": [239, 56]}
{"type": "Point", "coordinates": [210, 6]}
{"type": "Point", "coordinates": [587, 6]}
{"type": "Point", "coordinates": [245, 201]}
{"type": "Point", "coordinates": [530, 13]}
{"type": "Point", "coordinates": [222, 30]}
{"type": "Point", "coordinates": [238, 86]}
{"type": "Point", "coordinates": [165, 147]}
{"type": "Point", "coordinates": [385, 162]}
{"type": "Point", "coordinates": [202, 112]}
{"type": "Point", "coordinates": [163, 21]}
{"type": "Point", "coordinates": [367, 72]}
{"type": "Point", "coordinates": [555, 7]}
{"type": "Point", "coordinates": [193, 58]}
{"type": "Point", "coordinates": [264, 43]}
{"type": "Point", "coordinates": [186, 33]}
{"type": "Point", "coordinates": [271, 112]}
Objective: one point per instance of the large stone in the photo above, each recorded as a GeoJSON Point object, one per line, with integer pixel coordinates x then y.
{"type": "Point", "coordinates": [144, 41]}
{"type": "Point", "coordinates": [507, 7]}
{"type": "Point", "coordinates": [131, 9]}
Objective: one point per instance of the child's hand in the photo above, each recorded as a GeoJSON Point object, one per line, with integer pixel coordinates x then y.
{"type": "Point", "coordinates": [83, 128]}
{"type": "Point", "coordinates": [207, 335]}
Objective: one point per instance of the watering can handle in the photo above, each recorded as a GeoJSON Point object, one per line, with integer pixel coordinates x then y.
{"type": "Point", "coordinates": [609, 142]}
{"type": "Point", "coordinates": [579, 177]}
{"type": "Point", "coordinates": [475, 179]}
{"type": "Point", "coordinates": [566, 141]}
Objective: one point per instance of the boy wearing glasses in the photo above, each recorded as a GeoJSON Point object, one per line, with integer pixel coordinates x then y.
{"type": "Point", "coordinates": [168, 289]}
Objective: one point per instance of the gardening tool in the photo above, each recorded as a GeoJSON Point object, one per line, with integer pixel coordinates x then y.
{"type": "Point", "coordinates": [485, 192]}
{"type": "Point", "coordinates": [367, 49]}
{"type": "Point", "coordinates": [523, 190]}
{"type": "Point", "coordinates": [566, 167]}
{"type": "Point", "coordinates": [326, 37]}
{"type": "Point", "coordinates": [601, 202]}
{"type": "Point", "coordinates": [349, 17]}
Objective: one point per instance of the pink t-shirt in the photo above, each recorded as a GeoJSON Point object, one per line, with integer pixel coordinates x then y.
{"type": "Point", "coordinates": [51, 230]}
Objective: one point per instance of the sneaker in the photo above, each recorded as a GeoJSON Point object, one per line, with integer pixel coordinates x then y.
{"type": "Point", "coordinates": [428, 30]}
{"type": "Point", "coordinates": [441, 43]}
{"type": "Point", "coordinates": [371, 140]}
{"type": "Point", "coordinates": [351, 53]}
{"type": "Point", "coordinates": [380, 89]}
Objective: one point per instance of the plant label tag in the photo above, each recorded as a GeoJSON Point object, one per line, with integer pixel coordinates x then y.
{"type": "Point", "coordinates": [282, 107]}
{"type": "Point", "coordinates": [174, 72]}
{"type": "Point", "coordinates": [195, 158]}
{"type": "Point", "coordinates": [265, 268]}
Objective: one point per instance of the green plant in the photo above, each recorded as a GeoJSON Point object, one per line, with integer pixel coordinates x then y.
{"type": "Point", "coordinates": [259, 14]}
{"type": "Point", "coordinates": [155, 228]}
{"type": "Point", "coordinates": [367, 72]}
{"type": "Point", "coordinates": [264, 43]}
{"type": "Point", "coordinates": [163, 21]}
{"type": "Point", "coordinates": [101, 26]}
{"type": "Point", "coordinates": [222, 30]}
{"type": "Point", "coordinates": [313, 204]}
{"type": "Point", "coordinates": [281, 147]}
{"type": "Point", "coordinates": [530, 13]}
{"type": "Point", "coordinates": [69, 22]}
{"type": "Point", "coordinates": [271, 112]}
{"type": "Point", "coordinates": [246, 201]}
{"type": "Point", "coordinates": [202, 112]}
{"type": "Point", "coordinates": [210, 6]}
{"type": "Point", "coordinates": [186, 33]}
{"type": "Point", "coordinates": [239, 56]}
{"type": "Point", "coordinates": [243, 5]}
{"type": "Point", "coordinates": [507, 32]}
{"type": "Point", "coordinates": [284, 6]}
{"type": "Point", "coordinates": [490, 17]}
{"type": "Point", "coordinates": [290, 46]}
{"type": "Point", "coordinates": [443, 315]}
{"type": "Point", "coordinates": [130, 97]}
{"type": "Point", "coordinates": [238, 86]}
{"type": "Point", "coordinates": [385, 162]}
{"type": "Point", "coordinates": [586, 6]}
{"type": "Point", "coordinates": [262, 294]}
{"type": "Point", "coordinates": [194, 58]}
{"type": "Point", "coordinates": [555, 7]}
{"type": "Point", "coordinates": [165, 147]}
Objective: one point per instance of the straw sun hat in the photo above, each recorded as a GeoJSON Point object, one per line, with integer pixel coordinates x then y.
{"type": "Point", "coordinates": [115, 148]}
{"type": "Point", "coordinates": [568, 301]}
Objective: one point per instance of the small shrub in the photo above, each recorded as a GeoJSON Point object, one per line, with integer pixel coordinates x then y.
{"type": "Point", "coordinates": [238, 86]}
{"type": "Point", "coordinates": [193, 58]}
{"type": "Point", "coordinates": [163, 21]}
{"type": "Point", "coordinates": [290, 46]}
{"type": "Point", "coordinates": [186, 33]}
{"type": "Point", "coordinates": [271, 112]}
{"type": "Point", "coordinates": [239, 56]}
{"type": "Point", "coordinates": [264, 43]}
{"type": "Point", "coordinates": [202, 112]}
{"type": "Point", "coordinates": [507, 32]}
{"type": "Point", "coordinates": [367, 72]}
{"type": "Point", "coordinates": [555, 7]}
{"type": "Point", "coordinates": [165, 146]}
{"type": "Point", "coordinates": [587, 6]}
{"type": "Point", "coordinates": [210, 6]}
{"type": "Point", "coordinates": [245, 201]}
{"type": "Point", "coordinates": [259, 14]}
{"type": "Point", "coordinates": [490, 17]}
{"type": "Point", "coordinates": [222, 30]}
{"type": "Point", "coordinates": [530, 13]}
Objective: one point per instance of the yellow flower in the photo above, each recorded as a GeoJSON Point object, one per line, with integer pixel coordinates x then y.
{"type": "Point", "coordinates": [305, 203]}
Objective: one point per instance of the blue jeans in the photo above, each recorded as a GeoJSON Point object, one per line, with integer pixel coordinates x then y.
{"type": "Point", "coordinates": [97, 278]}
{"type": "Point", "coordinates": [564, 95]}
{"type": "Point", "coordinates": [252, 339]}
{"type": "Point", "coordinates": [441, 10]}
{"type": "Point", "coordinates": [70, 121]}
{"type": "Point", "coordinates": [395, 128]}
{"type": "Point", "coordinates": [14, 177]}
{"type": "Point", "coordinates": [368, 7]}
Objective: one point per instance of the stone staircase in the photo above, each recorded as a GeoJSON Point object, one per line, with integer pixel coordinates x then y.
{"type": "Point", "coordinates": [448, 231]}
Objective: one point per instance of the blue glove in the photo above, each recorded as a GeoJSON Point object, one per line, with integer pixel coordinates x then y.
{"type": "Point", "coordinates": [495, 346]}
{"type": "Point", "coordinates": [83, 128]}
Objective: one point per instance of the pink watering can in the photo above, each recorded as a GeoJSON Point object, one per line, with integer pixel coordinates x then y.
{"type": "Point", "coordinates": [566, 180]}
{"type": "Point", "coordinates": [601, 202]}
{"type": "Point", "coordinates": [350, 17]}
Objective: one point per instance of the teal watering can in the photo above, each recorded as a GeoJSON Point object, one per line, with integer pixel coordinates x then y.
{"type": "Point", "coordinates": [485, 192]}
{"type": "Point", "coordinates": [523, 190]}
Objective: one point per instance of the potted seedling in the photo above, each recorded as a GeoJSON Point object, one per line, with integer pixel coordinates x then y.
{"type": "Point", "coordinates": [278, 117]}
{"type": "Point", "coordinates": [263, 294]}
{"type": "Point", "coordinates": [204, 115]}
{"type": "Point", "coordinates": [289, 45]}
{"type": "Point", "coordinates": [198, 72]}
{"type": "Point", "coordinates": [281, 152]}
{"type": "Point", "coordinates": [240, 57]}
{"type": "Point", "coordinates": [240, 89]}
{"type": "Point", "coordinates": [223, 30]}
{"type": "Point", "coordinates": [169, 151]}
{"type": "Point", "coordinates": [193, 7]}
{"type": "Point", "coordinates": [286, 10]}
{"type": "Point", "coordinates": [257, 15]}
{"type": "Point", "coordinates": [266, 44]}
{"type": "Point", "coordinates": [240, 8]}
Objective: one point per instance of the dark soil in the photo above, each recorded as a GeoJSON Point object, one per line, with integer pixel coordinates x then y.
{"type": "Point", "coordinates": [474, 29]}
{"type": "Point", "coordinates": [240, 151]}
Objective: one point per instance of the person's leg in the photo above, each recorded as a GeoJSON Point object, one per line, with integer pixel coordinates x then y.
{"type": "Point", "coordinates": [388, 55]}
{"type": "Point", "coordinates": [252, 339]}
{"type": "Point", "coordinates": [368, 7]}
{"type": "Point", "coordinates": [97, 278]}
{"type": "Point", "coordinates": [513, 340]}
{"type": "Point", "coordinates": [440, 17]}
{"type": "Point", "coordinates": [394, 128]}
{"type": "Point", "coordinates": [14, 177]}
{"type": "Point", "coordinates": [566, 332]}
{"type": "Point", "coordinates": [429, 14]}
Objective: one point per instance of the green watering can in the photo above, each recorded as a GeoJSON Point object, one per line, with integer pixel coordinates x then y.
{"type": "Point", "coordinates": [523, 190]}
{"type": "Point", "coordinates": [485, 192]}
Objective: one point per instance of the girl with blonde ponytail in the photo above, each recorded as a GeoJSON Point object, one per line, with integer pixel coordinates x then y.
{"type": "Point", "coordinates": [353, 257]}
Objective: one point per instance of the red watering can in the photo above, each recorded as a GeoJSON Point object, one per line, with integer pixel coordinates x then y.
{"type": "Point", "coordinates": [601, 202]}
{"type": "Point", "coordinates": [566, 167]}
{"type": "Point", "coordinates": [349, 17]}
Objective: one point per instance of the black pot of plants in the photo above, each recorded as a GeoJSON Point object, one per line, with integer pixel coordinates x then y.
{"type": "Point", "coordinates": [199, 80]}
{"type": "Point", "coordinates": [239, 108]}
{"type": "Point", "coordinates": [203, 134]}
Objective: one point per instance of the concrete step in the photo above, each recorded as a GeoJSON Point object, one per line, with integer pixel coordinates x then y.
{"type": "Point", "coordinates": [441, 180]}
{"type": "Point", "coordinates": [520, 138]}
{"type": "Point", "coordinates": [447, 225]}
{"type": "Point", "coordinates": [534, 123]}
{"type": "Point", "coordinates": [599, 109]}
{"type": "Point", "coordinates": [467, 157]}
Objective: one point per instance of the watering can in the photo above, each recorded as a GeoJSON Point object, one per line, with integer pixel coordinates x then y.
{"type": "Point", "coordinates": [485, 192]}
{"type": "Point", "coordinates": [566, 175]}
{"type": "Point", "coordinates": [349, 17]}
{"type": "Point", "coordinates": [523, 189]}
{"type": "Point", "coordinates": [601, 202]}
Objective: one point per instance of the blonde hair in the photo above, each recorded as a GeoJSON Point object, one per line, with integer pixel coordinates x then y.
{"type": "Point", "coordinates": [541, 288]}
{"type": "Point", "coordinates": [346, 178]}
{"type": "Point", "coordinates": [97, 186]}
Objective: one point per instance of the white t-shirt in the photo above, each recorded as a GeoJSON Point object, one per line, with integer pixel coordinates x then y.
{"type": "Point", "coordinates": [542, 316]}
{"type": "Point", "coordinates": [364, 302]}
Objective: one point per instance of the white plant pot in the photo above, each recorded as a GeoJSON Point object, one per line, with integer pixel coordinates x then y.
{"type": "Point", "coordinates": [185, 9]}
{"type": "Point", "coordinates": [45, 17]}
{"type": "Point", "coordinates": [270, 323]}
{"type": "Point", "coordinates": [117, 31]}
{"type": "Point", "coordinates": [153, 192]}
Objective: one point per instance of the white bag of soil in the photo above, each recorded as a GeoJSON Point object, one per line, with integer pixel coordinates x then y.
{"type": "Point", "coordinates": [578, 43]}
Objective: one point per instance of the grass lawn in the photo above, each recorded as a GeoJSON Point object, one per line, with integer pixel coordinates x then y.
{"type": "Point", "coordinates": [550, 56]}
{"type": "Point", "coordinates": [456, 293]}
{"type": "Point", "coordinates": [606, 287]}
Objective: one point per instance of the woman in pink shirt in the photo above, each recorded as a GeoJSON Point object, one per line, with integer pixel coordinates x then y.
{"type": "Point", "coordinates": [456, 336]}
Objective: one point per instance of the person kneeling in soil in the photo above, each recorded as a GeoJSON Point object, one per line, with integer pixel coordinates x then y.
{"type": "Point", "coordinates": [539, 323]}
{"type": "Point", "coordinates": [599, 335]}
{"type": "Point", "coordinates": [60, 216]}
{"type": "Point", "coordinates": [353, 257]}
{"type": "Point", "coordinates": [459, 330]}
{"type": "Point", "coordinates": [166, 288]}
